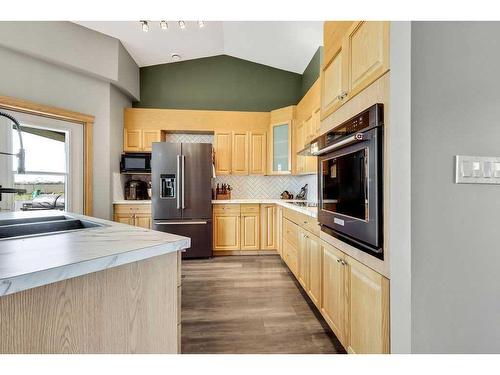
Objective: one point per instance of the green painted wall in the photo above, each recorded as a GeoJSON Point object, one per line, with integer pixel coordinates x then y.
{"type": "Point", "coordinates": [218, 83]}
{"type": "Point", "coordinates": [311, 73]}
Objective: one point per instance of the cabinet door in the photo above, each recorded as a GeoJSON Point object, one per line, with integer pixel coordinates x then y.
{"type": "Point", "coordinates": [303, 274]}
{"type": "Point", "coordinates": [226, 232]}
{"type": "Point", "coordinates": [314, 289]}
{"type": "Point", "coordinates": [316, 123]}
{"type": "Point", "coordinates": [268, 227]}
{"type": "Point", "coordinates": [148, 137]}
{"type": "Point", "coordinates": [143, 221]}
{"type": "Point", "coordinates": [280, 148]}
{"type": "Point", "coordinates": [250, 231]}
{"type": "Point", "coordinates": [299, 145]}
{"type": "Point", "coordinates": [124, 219]}
{"type": "Point", "coordinates": [223, 153]}
{"type": "Point", "coordinates": [308, 130]}
{"type": "Point", "coordinates": [368, 313]}
{"type": "Point", "coordinates": [279, 230]}
{"type": "Point", "coordinates": [132, 140]}
{"type": "Point", "coordinates": [333, 83]}
{"type": "Point", "coordinates": [258, 152]}
{"type": "Point", "coordinates": [333, 294]}
{"type": "Point", "coordinates": [239, 165]}
{"type": "Point", "coordinates": [368, 44]}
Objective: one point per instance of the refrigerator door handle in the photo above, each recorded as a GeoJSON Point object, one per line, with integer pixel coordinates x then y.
{"type": "Point", "coordinates": [180, 222]}
{"type": "Point", "coordinates": [178, 182]}
{"type": "Point", "coordinates": [183, 169]}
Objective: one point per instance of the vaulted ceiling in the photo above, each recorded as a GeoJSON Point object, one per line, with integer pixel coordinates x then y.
{"type": "Point", "coordinates": [287, 45]}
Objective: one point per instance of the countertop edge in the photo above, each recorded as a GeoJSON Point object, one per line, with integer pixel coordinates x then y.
{"type": "Point", "coordinates": [35, 279]}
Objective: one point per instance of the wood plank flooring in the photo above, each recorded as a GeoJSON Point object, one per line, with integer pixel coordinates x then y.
{"type": "Point", "coordinates": [249, 304]}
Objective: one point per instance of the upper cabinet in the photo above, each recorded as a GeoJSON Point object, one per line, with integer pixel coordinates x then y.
{"type": "Point", "coordinates": [281, 136]}
{"type": "Point", "coordinates": [356, 54]}
{"type": "Point", "coordinates": [223, 152]}
{"type": "Point", "coordinates": [240, 153]}
{"type": "Point", "coordinates": [257, 159]}
{"type": "Point", "coordinates": [140, 140]}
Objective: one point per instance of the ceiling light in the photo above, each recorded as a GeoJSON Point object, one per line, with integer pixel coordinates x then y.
{"type": "Point", "coordinates": [175, 57]}
{"type": "Point", "coordinates": [145, 26]}
{"type": "Point", "coordinates": [182, 24]}
{"type": "Point", "coordinates": [163, 25]}
{"type": "Point", "coordinates": [201, 24]}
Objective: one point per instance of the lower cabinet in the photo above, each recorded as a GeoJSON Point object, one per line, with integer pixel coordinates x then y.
{"type": "Point", "coordinates": [250, 228]}
{"type": "Point", "coordinates": [368, 310]}
{"type": "Point", "coordinates": [268, 227]}
{"type": "Point", "coordinates": [315, 269]}
{"type": "Point", "coordinates": [138, 215]}
{"type": "Point", "coordinates": [333, 301]}
{"type": "Point", "coordinates": [244, 227]}
{"type": "Point", "coordinates": [226, 229]}
{"type": "Point", "coordinates": [303, 261]}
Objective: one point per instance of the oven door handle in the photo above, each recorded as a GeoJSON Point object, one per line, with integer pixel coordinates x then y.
{"type": "Point", "coordinates": [358, 137]}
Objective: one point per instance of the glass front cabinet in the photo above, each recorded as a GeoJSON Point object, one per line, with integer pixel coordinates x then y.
{"type": "Point", "coordinates": [281, 160]}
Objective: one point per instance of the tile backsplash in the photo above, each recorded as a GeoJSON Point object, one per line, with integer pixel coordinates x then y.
{"type": "Point", "coordinates": [266, 187]}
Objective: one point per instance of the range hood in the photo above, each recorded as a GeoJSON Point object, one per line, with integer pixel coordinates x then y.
{"type": "Point", "coordinates": [310, 149]}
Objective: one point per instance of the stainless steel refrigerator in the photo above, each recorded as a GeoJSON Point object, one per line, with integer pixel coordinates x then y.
{"type": "Point", "coordinates": [181, 176]}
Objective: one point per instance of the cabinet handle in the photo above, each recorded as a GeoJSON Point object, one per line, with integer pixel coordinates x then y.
{"type": "Point", "coordinates": [305, 222]}
{"type": "Point", "coordinates": [343, 263]}
{"type": "Point", "coordinates": [338, 260]}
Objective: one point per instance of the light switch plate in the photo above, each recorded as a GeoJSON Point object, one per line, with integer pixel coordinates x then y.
{"type": "Point", "coordinates": [477, 169]}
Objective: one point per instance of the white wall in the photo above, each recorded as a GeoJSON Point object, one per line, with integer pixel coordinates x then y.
{"type": "Point", "coordinates": [29, 78]}
{"type": "Point", "coordinates": [455, 249]}
{"type": "Point", "coordinates": [74, 47]}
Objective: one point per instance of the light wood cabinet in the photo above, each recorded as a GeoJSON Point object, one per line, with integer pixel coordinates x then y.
{"type": "Point", "coordinates": [250, 227]}
{"type": "Point", "coordinates": [258, 153]}
{"type": "Point", "coordinates": [239, 156]}
{"type": "Point", "coordinates": [223, 152]}
{"type": "Point", "coordinates": [368, 309]}
{"type": "Point", "coordinates": [303, 259]}
{"type": "Point", "coordinates": [356, 54]}
{"type": "Point", "coordinates": [368, 45]}
{"type": "Point", "coordinates": [240, 153]}
{"type": "Point", "coordinates": [279, 229]}
{"type": "Point", "coordinates": [280, 146]}
{"type": "Point", "coordinates": [333, 304]}
{"type": "Point", "coordinates": [268, 226]}
{"type": "Point", "coordinates": [132, 140]}
{"type": "Point", "coordinates": [315, 269]}
{"type": "Point", "coordinates": [226, 229]}
{"type": "Point", "coordinates": [138, 215]}
{"type": "Point", "coordinates": [140, 140]}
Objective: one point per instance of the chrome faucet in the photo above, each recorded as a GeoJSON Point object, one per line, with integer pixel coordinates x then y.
{"type": "Point", "coordinates": [21, 169]}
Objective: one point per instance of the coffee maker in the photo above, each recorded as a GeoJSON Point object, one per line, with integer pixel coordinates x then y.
{"type": "Point", "coordinates": [136, 190]}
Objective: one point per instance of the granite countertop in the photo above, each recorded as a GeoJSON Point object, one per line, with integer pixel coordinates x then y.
{"type": "Point", "coordinates": [32, 261]}
{"type": "Point", "coordinates": [309, 211]}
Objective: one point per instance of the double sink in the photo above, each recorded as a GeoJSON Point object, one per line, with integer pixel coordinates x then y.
{"type": "Point", "coordinates": [32, 226]}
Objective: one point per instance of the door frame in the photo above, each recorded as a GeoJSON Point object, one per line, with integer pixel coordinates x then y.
{"type": "Point", "coordinates": [87, 121]}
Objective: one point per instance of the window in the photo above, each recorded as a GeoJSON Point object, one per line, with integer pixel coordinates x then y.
{"type": "Point", "coordinates": [54, 164]}
{"type": "Point", "coordinates": [46, 169]}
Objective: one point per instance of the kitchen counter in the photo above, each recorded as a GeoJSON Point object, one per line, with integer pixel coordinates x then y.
{"type": "Point", "coordinates": [124, 201]}
{"type": "Point", "coordinates": [309, 211]}
{"type": "Point", "coordinates": [32, 261]}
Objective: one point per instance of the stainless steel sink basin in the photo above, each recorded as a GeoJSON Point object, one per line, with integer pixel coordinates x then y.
{"type": "Point", "coordinates": [12, 228]}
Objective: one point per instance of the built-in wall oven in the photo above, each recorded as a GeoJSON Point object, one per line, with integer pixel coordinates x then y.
{"type": "Point", "coordinates": [350, 181]}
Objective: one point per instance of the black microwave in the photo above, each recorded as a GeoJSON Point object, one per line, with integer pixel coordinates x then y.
{"type": "Point", "coordinates": [135, 163]}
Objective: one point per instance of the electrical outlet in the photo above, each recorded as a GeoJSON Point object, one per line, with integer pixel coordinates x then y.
{"type": "Point", "coordinates": [477, 169]}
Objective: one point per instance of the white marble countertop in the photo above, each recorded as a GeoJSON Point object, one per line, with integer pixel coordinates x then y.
{"type": "Point", "coordinates": [309, 211]}
{"type": "Point", "coordinates": [32, 261]}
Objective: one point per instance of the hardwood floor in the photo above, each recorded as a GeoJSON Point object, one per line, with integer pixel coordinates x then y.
{"type": "Point", "coordinates": [249, 304]}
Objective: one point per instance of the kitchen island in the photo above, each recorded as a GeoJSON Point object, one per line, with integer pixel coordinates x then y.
{"type": "Point", "coordinates": [112, 288]}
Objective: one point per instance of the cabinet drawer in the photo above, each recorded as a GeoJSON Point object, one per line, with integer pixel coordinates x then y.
{"type": "Point", "coordinates": [132, 208]}
{"type": "Point", "coordinates": [249, 208]}
{"type": "Point", "coordinates": [226, 208]}
{"type": "Point", "coordinates": [291, 233]}
{"type": "Point", "coordinates": [307, 222]}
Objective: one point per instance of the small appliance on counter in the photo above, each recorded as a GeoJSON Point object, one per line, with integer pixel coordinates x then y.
{"type": "Point", "coordinates": [286, 195]}
{"type": "Point", "coordinates": [136, 190]}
